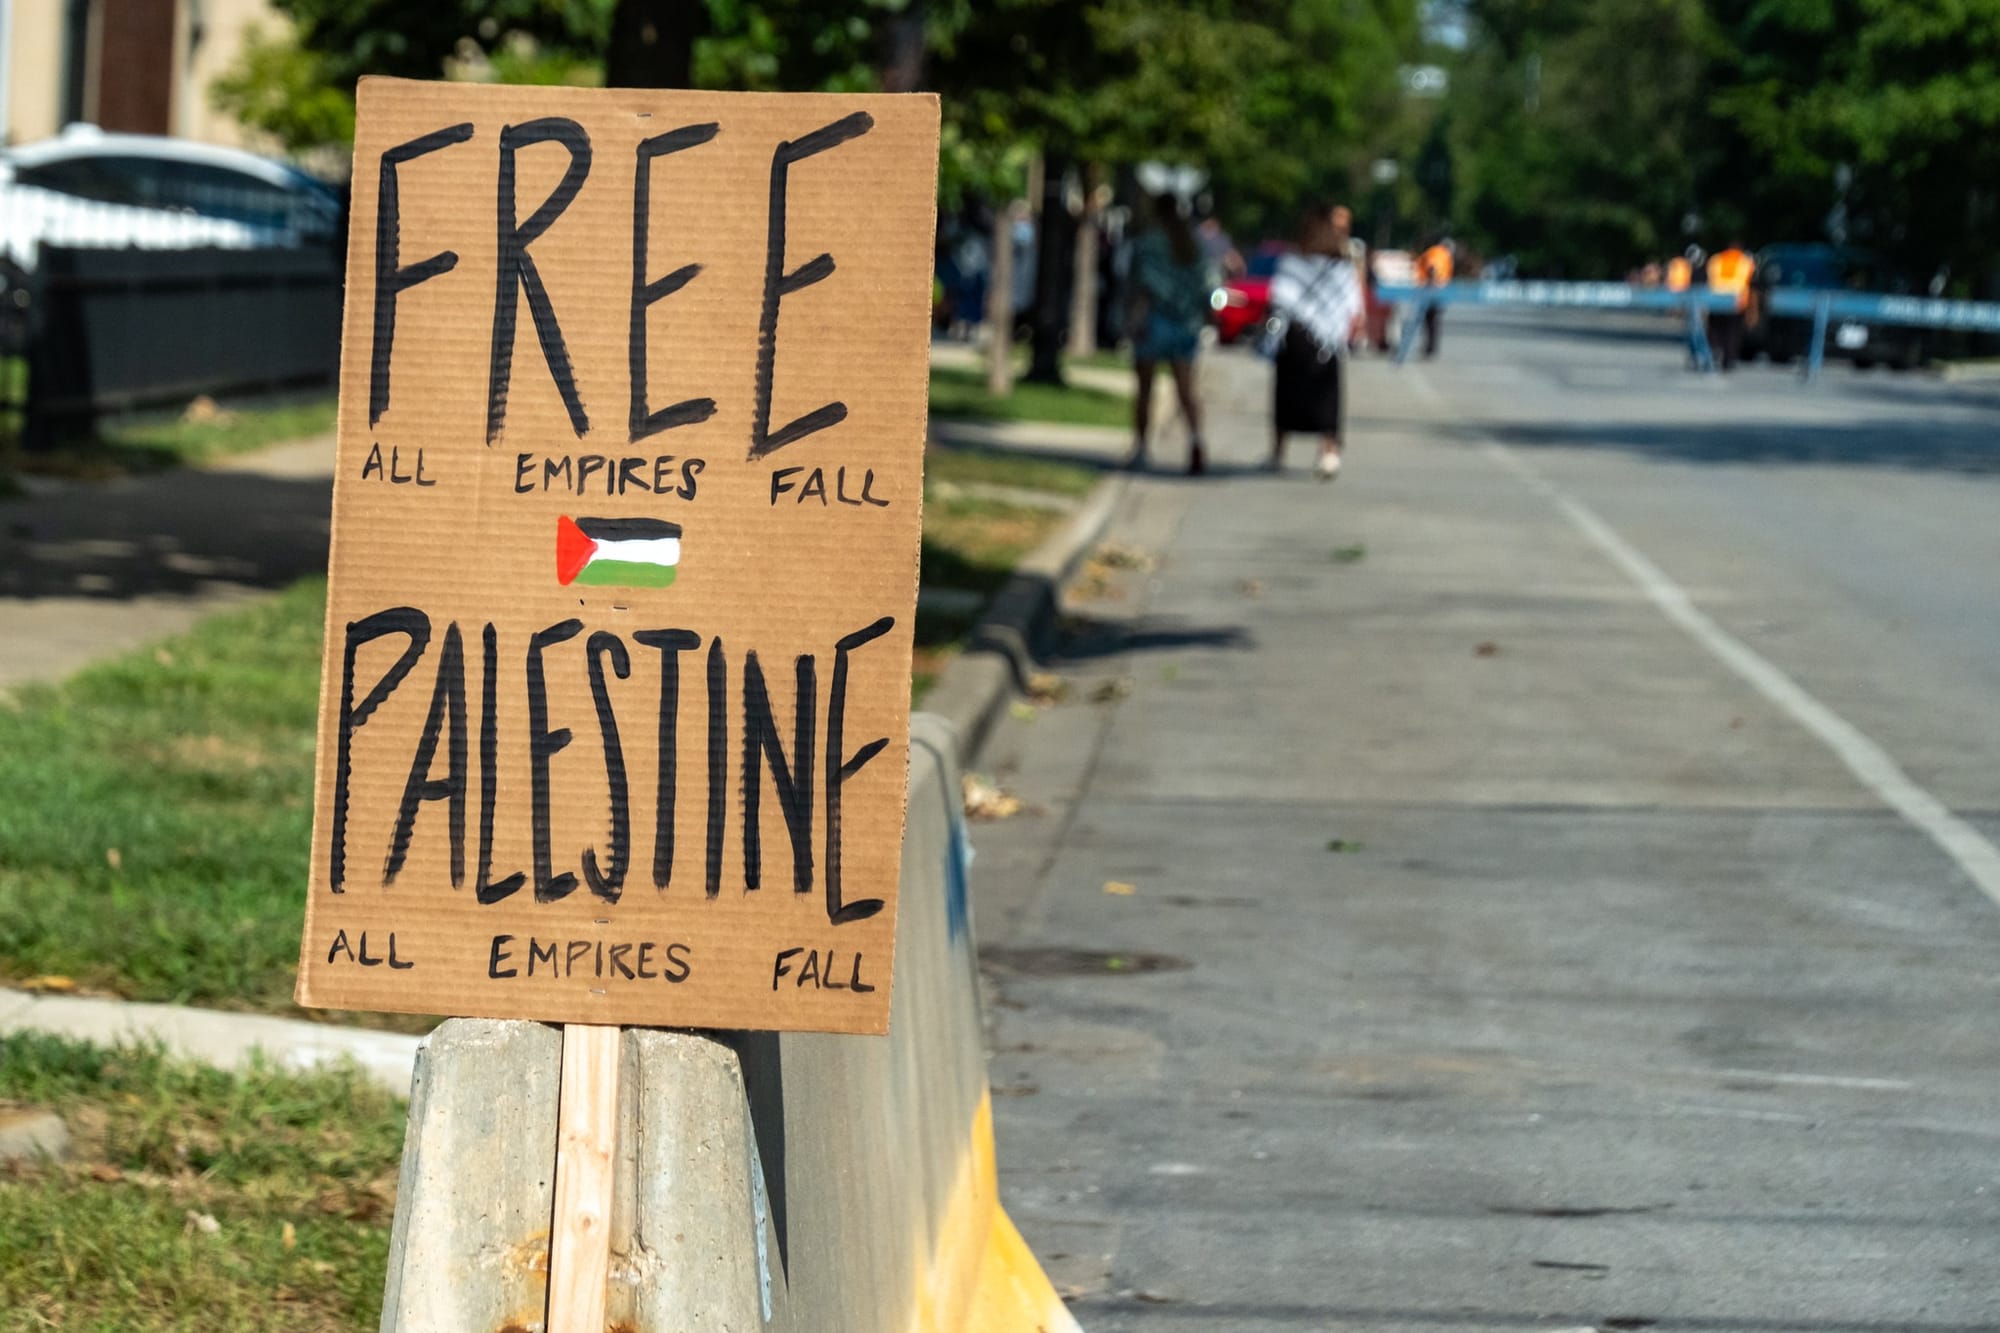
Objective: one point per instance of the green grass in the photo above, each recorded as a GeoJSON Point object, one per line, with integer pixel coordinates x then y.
{"type": "Point", "coordinates": [961, 392]}
{"type": "Point", "coordinates": [997, 467]}
{"type": "Point", "coordinates": [237, 430]}
{"type": "Point", "coordinates": [154, 835]}
{"type": "Point", "coordinates": [1102, 359]}
{"type": "Point", "coordinates": [141, 442]}
{"type": "Point", "coordinates": [972, 542]}
{"type": "Point", "coordinates": [297, 1171]}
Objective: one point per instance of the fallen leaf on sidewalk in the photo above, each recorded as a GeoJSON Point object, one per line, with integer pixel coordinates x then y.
{"type": "Point", "coordinates": [49, 985]}
{"type": "Point", "coordinates": [1117, 555]}
{"type": "Point", "coordinates": [1347, 555]}
{"type": "Point", "coordinates": [1046, 687]}
{"type": "Point", "coordinates": [1023, 711]}
{"type": "Point", "coordinates": [1343, 845]}
{"type": "Point", "coordinates": [1251, 588]}
{"type": "Point", "coordinates": [983, 800]}
{"type": "Point", "coordinates": [1094, 584]}
{"type": "Point", "coordinates": [1111, 691]}
{"type": "Point", "coordinates": [1120, 887]}
{"type": "Point", "coordinates": [1487, 649]}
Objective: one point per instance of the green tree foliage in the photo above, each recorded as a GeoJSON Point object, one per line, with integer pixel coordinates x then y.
{"type": "Point", "coordinates": [299, 86]}
{"type": "Point", "coordinates": [1575, 129]}
{"type": "Point", "coordinates": [282, 89]}
{"type": "Point", "coordinates": [414, 38]}
{"type": "Point", "coordinates": [1269, 96]}
{"type": "Point", "coordinates": [1588, 129]}
{"type": "Point", "coordinates": [1901, 98]}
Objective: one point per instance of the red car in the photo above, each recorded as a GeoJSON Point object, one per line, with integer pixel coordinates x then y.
{"type": "Point", "coordinates": [1243, 304]}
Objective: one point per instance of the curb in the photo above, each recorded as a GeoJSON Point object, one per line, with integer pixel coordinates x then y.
{"type": "Point", "coordinates": [213, 1037]}
{"type": "Point", "coordinates": [970, 692]}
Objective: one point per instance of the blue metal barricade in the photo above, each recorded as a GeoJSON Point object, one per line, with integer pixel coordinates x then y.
{"type": "Point", "coordinates": [1820, 306]}
{"type": "Point", "coordinates": [1566, 295]}
{"type": "Point", "coordinates": [1922, 312]}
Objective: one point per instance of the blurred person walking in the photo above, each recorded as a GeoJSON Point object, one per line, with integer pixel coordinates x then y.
{"type": "Point", "coordinates": [1729, 273]}
{"type": "Point", "coordinates": [1680, 270]}
{"type": "Point", "coordinates": [1680, 279]}
{"type": "Point", "coordinates": [1316, 303]}
{"type": "Point", "coordinates": [1434, 267]}
{"type": "Point", "coordinates": [1171, 284]}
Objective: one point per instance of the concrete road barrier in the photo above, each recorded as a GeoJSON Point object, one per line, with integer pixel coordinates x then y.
{"type": "Point", "coordinates": [802, 1182]}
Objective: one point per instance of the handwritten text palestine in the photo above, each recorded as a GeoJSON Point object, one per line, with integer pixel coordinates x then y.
{"type": "Point", "coordinates": [806, 771]}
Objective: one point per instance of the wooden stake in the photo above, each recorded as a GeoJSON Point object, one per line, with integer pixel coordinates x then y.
{"type": "Point", "coordinates": [586, 1130]}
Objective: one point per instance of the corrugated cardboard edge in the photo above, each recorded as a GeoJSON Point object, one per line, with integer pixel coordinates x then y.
{"type": "Point", "coordinates": [329, 685]}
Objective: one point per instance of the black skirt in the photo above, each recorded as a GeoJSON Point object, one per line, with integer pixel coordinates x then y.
{"type": "Point", "coordinates": [1308, 393]}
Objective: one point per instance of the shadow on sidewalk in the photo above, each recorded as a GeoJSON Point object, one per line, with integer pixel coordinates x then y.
{"type": "Point", "coordinates": [1916, 444]}
{"type": "Point", "coordinates": [1084, 639]}
{"type": "Point", "coordinates": [172, 533]}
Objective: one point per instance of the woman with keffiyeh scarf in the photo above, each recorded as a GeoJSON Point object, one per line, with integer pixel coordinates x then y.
{"type": "Point", "coordinates": [1316, 296]}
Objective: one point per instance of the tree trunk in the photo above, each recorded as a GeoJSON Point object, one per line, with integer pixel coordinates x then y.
{"type": "Point", "coordinates": [652, 43]}
{"type": "Point", "coordinates": [1083, 291]}
{"type": "Point", "coordinates": [1054, 249]}
{"type": "Point", "coordinates": [904, 52]}
{"type": "Point", "coordinates": [1000, 304]}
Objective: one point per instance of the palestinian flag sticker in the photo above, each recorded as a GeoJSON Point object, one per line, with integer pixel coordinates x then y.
{"type": "Point", "coordinates": [617, 552]}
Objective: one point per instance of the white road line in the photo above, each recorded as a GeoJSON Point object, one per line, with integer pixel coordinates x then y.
{"type": "Point", "coordinates": [1869, 762]}
{"type": "Point", "coordinates": [1805, 1080]}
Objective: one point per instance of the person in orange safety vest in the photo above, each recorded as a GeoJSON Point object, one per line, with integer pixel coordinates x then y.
{"type": "Point", "coordinates": [1729, 273]}
{"type": "Point", "coordinates": [1434, 270]}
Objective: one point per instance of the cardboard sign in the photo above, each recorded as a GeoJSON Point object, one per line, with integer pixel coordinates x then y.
{"type": "Point", "coordinates": [615, 713]}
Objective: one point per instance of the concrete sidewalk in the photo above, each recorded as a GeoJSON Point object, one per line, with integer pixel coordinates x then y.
{"type": "Point", "coordinates": [225, 1040]}
{"type": "Point", "coordinates": [1411, 928]}
{"type": "Point", "coordinates": [92, 569]}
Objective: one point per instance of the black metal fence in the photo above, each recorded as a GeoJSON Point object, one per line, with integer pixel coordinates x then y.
{"type": "Point", "coordinates": [112, 330]}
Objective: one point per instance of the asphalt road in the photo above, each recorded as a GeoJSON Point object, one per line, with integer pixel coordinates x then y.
{"type": "Point", "coordinates": [1560, 861]}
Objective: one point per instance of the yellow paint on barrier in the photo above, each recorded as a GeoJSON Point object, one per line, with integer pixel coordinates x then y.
{"type": "Point", "coordinates": [981, 1277]}
{"type": "Point", "coordinates": [1014, 1295]}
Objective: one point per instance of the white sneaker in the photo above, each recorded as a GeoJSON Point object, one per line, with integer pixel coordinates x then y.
{"type": "Point", "coordinates": [1328, 467]}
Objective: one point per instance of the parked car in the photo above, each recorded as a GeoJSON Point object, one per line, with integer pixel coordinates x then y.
{"type": "Point", "coordinates": [1824, 267]}
{"type": "Point", "coordinates": [1242, 304]}
{"type": "Point", "coordinates": [91, 189]}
